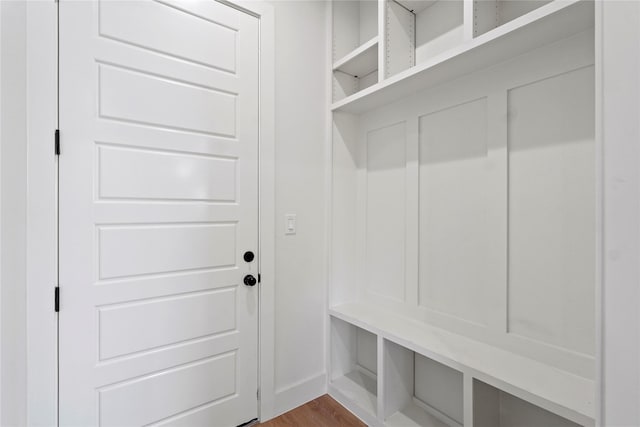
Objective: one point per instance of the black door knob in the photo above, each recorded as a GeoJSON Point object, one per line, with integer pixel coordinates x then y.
{"type": "Point", "coordinates": [249, 280]}
{"type": "Point", "coordinates": [248, 256]}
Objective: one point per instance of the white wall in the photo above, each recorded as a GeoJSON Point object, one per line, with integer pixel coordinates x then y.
{"type": "Point", "coordinates": [300, 140]}
{"type": "Point", "coordinates": [13, 150]}
{"type": "Point", "coordinates": [621, 170]}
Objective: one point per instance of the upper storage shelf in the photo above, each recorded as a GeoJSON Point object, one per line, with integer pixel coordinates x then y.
{"type": "Point", "coordinates": [355, 47]}
{"type": "Point", "coordinates": [360, 62]}
{"type": "Point", "coordinates": [502, 36]}
{"type": "Point", "coordinates": [418, 30]}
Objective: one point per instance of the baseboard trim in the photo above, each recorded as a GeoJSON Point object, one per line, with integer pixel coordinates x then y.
{"type": "Point", "coordinates": [300, 393]}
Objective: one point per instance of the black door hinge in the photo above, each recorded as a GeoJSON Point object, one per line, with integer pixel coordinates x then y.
{"type": "Point", "coordinates": [259, 278]}
{"type": "Point", "coordinates": [57, 142]}
{"type": "Point", "coordinates": [56, 298]}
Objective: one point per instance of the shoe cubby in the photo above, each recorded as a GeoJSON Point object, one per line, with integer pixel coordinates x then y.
{"type": "Point", "coordinates": [417, 31]}
{"type": "Point", "coordinates": [493, 407]}
{"type": "Point", "coordinates": [355, 46]}
{"type": "Point", "coordinates": [419, 391]}
{"type": "Point", "coordinates": [354, 365]}
{"type": "Point", "coordinates": [490, 14]}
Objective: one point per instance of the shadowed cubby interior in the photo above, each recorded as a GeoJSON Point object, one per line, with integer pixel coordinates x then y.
{"type": "Point", "coordinates": [496, 408]}
{"type": "Point", "coordinates": [419, 30]}
{"type": "Point", "coordinates": [420, 391]}
{"type": "Point", "coordinates": [355, 46]}
{"type": "Point", "coordinates": [490, 14]}
{"type": "Point", "coordinates": [354, 364]}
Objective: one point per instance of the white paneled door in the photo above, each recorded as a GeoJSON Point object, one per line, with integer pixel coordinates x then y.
{"type": "Point", "coordinates": [158, 205]}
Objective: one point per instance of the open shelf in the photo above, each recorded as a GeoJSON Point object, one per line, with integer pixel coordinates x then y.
{"type": "Point", "coordinates": [557, 391]}
{"type": "Point", "coordinates": [418, 30]}
{"type": "Point", "coordinates": [491, 14]}
{"type": "Point", "coordinates": [354, 365]}
{"type": "Point", "coordinates": [355, 47]}
{"type": "Point", "coordinates": [493, 407]}
{"type": "Point", "coordinates": [415, 415]}
{"type": "Point", "coordinates": [359, 386]}
{"type": "Point", "coordinates": [355, 22]}
{"type": "Point", "coordinates": [549, 23]}
{"type": "Point", "coordinates": [361, 62]}
{"type": "Point", "coordinates": [420, 391]}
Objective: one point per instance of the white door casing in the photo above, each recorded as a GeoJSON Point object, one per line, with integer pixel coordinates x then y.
{"type": "Point", "coordinates": [158, 203]}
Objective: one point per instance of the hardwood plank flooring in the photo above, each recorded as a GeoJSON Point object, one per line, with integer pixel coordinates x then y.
{"type": "Point", "coordinates": [321, 412]}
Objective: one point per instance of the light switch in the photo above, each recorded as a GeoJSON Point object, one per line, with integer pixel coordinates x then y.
{"type": "Point", "coordinates": [290, 224]}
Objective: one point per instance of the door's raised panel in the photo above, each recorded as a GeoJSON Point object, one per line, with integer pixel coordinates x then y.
{"type": "Point", "coordinates": [115, 371]}
{"type": "Point", "coordinates": [134, 327]}
{"type": "Point", "coordinates": [167, 393]}
{"type": "Point", "coordinates": [144, 98]}
{"type": "Point", "coordinates": [454, 269]}
{"type": "Point", "coordinates": [220, 411]}
{"type": "Point", "coordinates": [385, 214]}
{"type": "Point", "coordinates": [166, 175]}
{"type": "Point", "coordinates": [122, 133]}
{"type": "Point", "coordinates": [170, 31]}
{"type": "Point", "coordinates": [148, 249]}
{"type": "Point", "coordinates": [160, 285]}
{"type": "Point", "coordinates": [551, 211]}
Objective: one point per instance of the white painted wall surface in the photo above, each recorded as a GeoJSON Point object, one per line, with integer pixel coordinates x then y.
{"type": "Point", "coordinates": [13, 191]}
{"type": "Point", "coordinates": [621, 169]}
{"type": "Point", "coordinates": [301, 111]}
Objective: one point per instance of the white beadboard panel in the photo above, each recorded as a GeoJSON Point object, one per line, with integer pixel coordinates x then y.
{"type": "Point", "coordinates": [165, 176]}
{"type": "Point", "coordinates": [131, 250]}
{"type": "Point", "coordinates": [552, 211]}
{"type": "Point", "coordinates": [134, 327]}
{"type": "Point", "coordinates": [140, 97]}
{"type": "Point", "coordinates": [147, 24]}
{"type": "Point", "coordinates": [438, 386]}
{"type": "Point", "coordinates": [206, 380]}
{"type": "Point", "coordinates": [455, 209]}
{"type": "Point", "coordinates": [385, 211]}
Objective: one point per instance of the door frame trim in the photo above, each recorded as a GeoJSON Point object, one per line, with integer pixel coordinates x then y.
{"type": "Point", "coordinates": [42, 113]}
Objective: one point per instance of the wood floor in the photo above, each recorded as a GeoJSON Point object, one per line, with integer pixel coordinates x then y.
{"type": "Point", "coordinates": [321, 412]}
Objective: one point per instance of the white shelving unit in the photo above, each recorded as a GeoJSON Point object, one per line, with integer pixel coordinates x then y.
{"type": "Point", "coordinates": [548, 23]}
{"type": "Point", "coordinates": [463, 210]}
{"type": "Point", "coordinates": [546, 387]}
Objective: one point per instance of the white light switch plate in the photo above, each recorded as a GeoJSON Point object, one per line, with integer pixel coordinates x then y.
{"type": "Point", "coordinates": [290, 224]}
